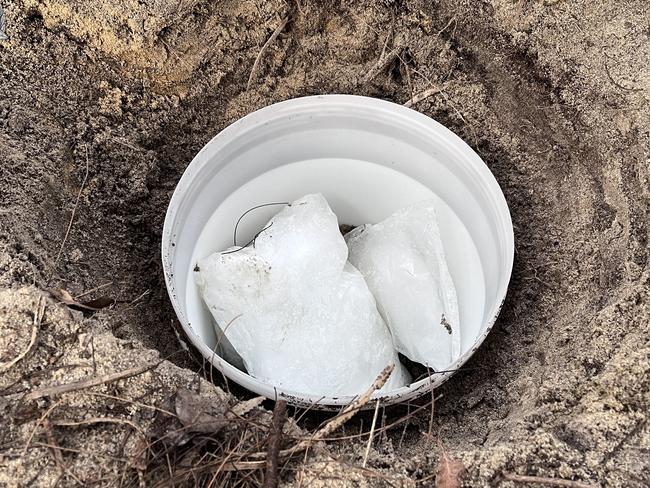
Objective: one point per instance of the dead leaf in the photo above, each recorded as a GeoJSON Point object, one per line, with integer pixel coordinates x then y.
{"type": "Point", "coordinates": [197, 414]}
{"type": "Point", "coordinates": [449, 470]}
{"type": "Point", "coordinates": [90, 306]}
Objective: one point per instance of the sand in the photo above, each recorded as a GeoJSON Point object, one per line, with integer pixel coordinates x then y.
{"type": "Point", "coordinates": [553, 96]}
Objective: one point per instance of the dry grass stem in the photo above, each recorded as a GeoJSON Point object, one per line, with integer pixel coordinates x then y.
{"type": "Point", "coordinates": [100, 420]}
{"type": "Point", "coordinates": [518, 478]}
{"type": "Point", "coordinates": [347, 413]}
{"type": "Point", "coordinates": [38, 423]}
{"type": "Point", "coordinates": [74, 211]}
{"type": "Point", "coordinates": [49, 434]}
{"type": "Point", "coordinates": [56, 452]}
{"type": "Point", "coordinates": [433, 405]}
{"type": "Point", "coordinates": [618, 85]}
{"type": "Point", "coordinates": [372, 434]}
{"type": "Point", "coordinates": [38, 317]}
{"type": "Point", "coordinates": [266, 45]}
{"type": "Point", "coordinates": [89, 383]}
{"type": "Point", "coordinates": [242, 408]}
{"type": "Point", "coordinates": [422, 96]}
{"type": "Point", "coordinates": [92, 290]}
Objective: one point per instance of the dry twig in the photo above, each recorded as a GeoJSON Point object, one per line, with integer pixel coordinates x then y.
{"type": "Point", "coordinates": [131, 402]}
{"type": "Point", "coordinates": [241, 457]}
{"type": "Point", "coordinates": [422, 96]}
{"type": "Point", "coordinates": [90, 382]}
{"type": "Point", "coordinates": [274, 443]}
{"type": "Point", "coordinates": [273, 37]}
{"type": "Point", "coordinates": [242, 408]}
{"type": "Point", "coordinates": [518, 478]}
{"type": "Point", "coordinates": [101, 420]}
{"type": "Point", "coordinates": [386, 428]}
{"type": "Point", "coordinates": [347, 413]}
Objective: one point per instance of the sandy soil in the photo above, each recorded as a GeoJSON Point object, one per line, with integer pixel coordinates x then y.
{"type": "Point", "coordinates": [553, 95]}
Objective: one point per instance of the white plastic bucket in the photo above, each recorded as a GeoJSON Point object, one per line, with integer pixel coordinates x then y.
{"type": "Point", "coordinates": [369, 158]}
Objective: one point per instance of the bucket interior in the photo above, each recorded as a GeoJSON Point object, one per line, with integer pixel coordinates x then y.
{"type": "Point", "coordinates": [367, 164]}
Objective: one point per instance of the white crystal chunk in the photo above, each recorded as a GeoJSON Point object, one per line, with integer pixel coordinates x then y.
{"type": "Point", "coordinates": [300, 316]}
{"type": "Point", "coordinates": [403, 262]}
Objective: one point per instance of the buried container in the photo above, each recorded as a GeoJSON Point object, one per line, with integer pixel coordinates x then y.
{"type": "Point", "coordinates": [369, 158]}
